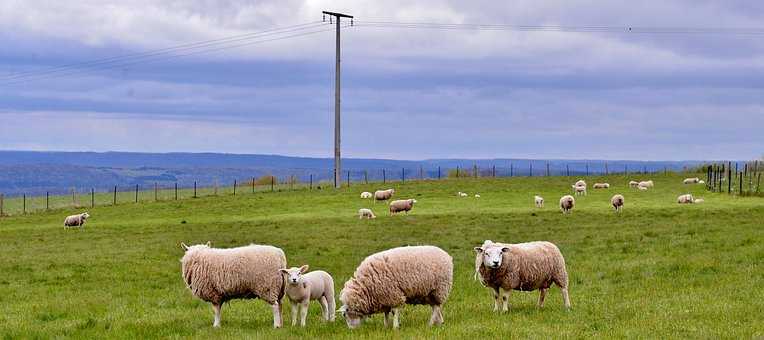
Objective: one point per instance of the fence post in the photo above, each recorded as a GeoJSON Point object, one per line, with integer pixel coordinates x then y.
{"type": "Point", "coordinates": [511, 170]}
{"type": "Point", "coordinates": [530, 169]}
{"type": "Point", "coordinates": [25, 204]}
{"type": "Point", "coordinates": [567, 170]}
{"type": "Point", "coordinates": [115, 196]}
{"type": "Point", "coordinates": [156, 192]}
{"type": "Point", "coordinates": [547, 169]}
{"type": "Point", "coordinates": [494, 171]}
{"type": "Point", "coordinates": [403, 175]}
{"type": "Point", "coordinates": [729, 178]}
{"type": "Point", "coordinates": [475, 170]}
{"type": "Point", "coordinates": [626, 169]}
{"type": "Point", "coordinates": [740, 183]}
{"type": "Point", "coordinates": [195, 189]}
{"type": "Point", "coordinates": [176, 191]}
{"type": "Point", "coordinates": [606, 171]}
{"type": "Point", "coordinates": [74, 198]}
{"type": "Point", "coordinates": [1, 205]}
{"type": "Point", "coordinates": [421, 173]}
{"type": "Point", "coordinates": [457, 171]}
{"type": "Point", "coordinates": [587, 169]}
{"type": "Point", "coordinates": [136, 193]}
{"type": "Point", "coordinates": [47, 200]}
{"type": "Point", "coordinates": [234, 187]}
{"type": "Point", "coordinates": [216, 187]}
{"type": "Point", "coordinates": [92, 197]}
{"type": "Point", "coordinates": [383, 176]}
{"type": "Point", "coordinates": [438, 171]}
{"type": "Point", "coordinates": [311, 181]}
{"type": "Point", "coordinates": [758, 183]}
{"type": "Point", "coordinates": [253, 185]}
{"type": "Point", "coordinates": [348, 178]}
{"type": "Point", "coordinates": [366, 177]}
{"type": "Point", "coordinates": [273, 182]}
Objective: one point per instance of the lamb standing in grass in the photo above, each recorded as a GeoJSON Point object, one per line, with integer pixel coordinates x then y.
{"type": "Point", "coordinates": [580, 183]}
{"type": "Point", "coordinates": [567, 203]}
{"type": "Point", "coordinates": [646, 184]}
{"type": "Point", "coordinates": [601, 185]}
{"type": "Point", "coordinates": [401, 205]}
{"type": "Point", "coordinates": [219, 275]}
{"type": "Point", "coordinates": [387, 280]}
{"type": "Point", "coordinates": [301, 288]}
{"type": "Point", "coordinates": [539, 201]}
{"type": "Point", "coordinates": [76, 220]}
{"type": "Point", "coordinates": [685, 199]}
{"type": "Point", "coordinates": [383, 195]}
{"type": "Point", "coordinates": [523, 266]}
{"type": "Point", "coordinates": [579, 190]}
{"type": "Point", "coordinates": [617, 202]}
{"type": "Point", "coordinates": [365, 213]}
{"type": "Point", "coordinates": [365, 194]}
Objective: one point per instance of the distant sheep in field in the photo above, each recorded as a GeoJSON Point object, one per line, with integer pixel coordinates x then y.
{"type": "Point", "coordinates": [383, 195]}
{"type": "Point", "coordinates": [301, 288]}
{"type": "Point", "coordinates": [646, 184]}
{"type": "Point", "coordinates": [579, 190]}
{"type": "Point", "coordinates": [366, 194]}
{"type": "Point", "coordinates": [366, 213]}
{"type": "Point", "coordinates": [524, 266]}
{"type": "Point", "coordinates": [601, 185]}
{"type": "Point", "coordinates": [461, 194]}
{"type": "Point", "coordinates": [698, 200]}
{"type": "Point", "coordinates": [701, 182]}
{"type": "Point", "coordinates": [76, 220]}
{"type": "Point", "coordinates": [401, 205]}
{"type": "Point", "coordinates": [685, 199]}
{"type": "Point", "coordinates": [633, 184]}
{"type": "Point", "coordinates": [567, 203]}
{"type": "Point", "coordinates": [642, 188]}
{"type": "Point", "coordinates": [580, 183]}
{"type": "Point", "coordinates": [219, 275]}
{"type": "Point", "coordinates": [539, 201]}
{"type": "Point", "coordinates": [617, 202]}
{"type": "Point", "coordinates": [693, 180]}
{"type": "Point", "coordinates": [477, 195]}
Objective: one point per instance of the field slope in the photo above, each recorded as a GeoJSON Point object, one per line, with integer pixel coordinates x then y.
{"type": "Point", "coordinates": [658, 270]}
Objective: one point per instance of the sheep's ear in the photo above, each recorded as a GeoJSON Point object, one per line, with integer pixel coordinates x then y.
{"type": "Point", "coordinates": [304, 269]}
{"type": "Point", "coordinates": [284, 271]}
{"type": "Point", "coordinates": [478, 250]}
{"type": "Point", "coordinates": [209, 243]}
{"type": "Point", "coordinates": [343, 309]}
{"type": "Point", "coordinates": [504, 250]}
{"type": "Point", "coordinates": [184, 246]}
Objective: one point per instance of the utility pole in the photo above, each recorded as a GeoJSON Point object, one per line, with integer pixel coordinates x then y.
{"type": "Point", "coordinates": [337, 165]}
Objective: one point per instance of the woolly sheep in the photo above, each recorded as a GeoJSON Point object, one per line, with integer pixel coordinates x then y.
{"type": "Point", "coordinates": [401, 205]}
{"type": "Point", "coordinates": [219, 275]}
{"type": "Point", "coordinates": [617, 202]}
{"type": "Point", "coordinates": [365, 213]}
{"type": "Point", "coordinates": [523, 266]}
{"type": "Point", "coordinates": [580, 183]}
{"type": "Point", "coordinates": [579, 190]}
{"type": "Point", "coordinates": [477, 195]}
{"type": "Point", "coordinates": [698, 200]}
{"type": "Point", "coordinates": [383, 195]}
{"type": "Point", "coordinates": [76, 220]}
{"type": "Point", "coordinates": [567, 203]}
{"type": "Point", "coordinates": [301, 288]}
{"type": "Point", "coordinates": [643, 188]}
{"type": "Point", "coordinates": [646, 184]}
{"type": "Point", "coordinates": [365, 194]}
{"type": "Point", "coordinates": [701, 182]}
{"type": "Point", "coordinates": [685, 199]}
{"type": "Point", "coordinates": [461, 194]}
{"type": "Point", "coordinates": [601, 185]}
{"type": "Point", "coordinates": [693, 180]}
{"type": "Point", "coordinates": [633, 184]}
{"type": "Point", "coordinates": [387, 280]}
{"type": "Point", "coordinates": [539, 201]}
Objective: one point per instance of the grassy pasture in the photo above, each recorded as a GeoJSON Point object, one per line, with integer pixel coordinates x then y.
{"type": "Point", "coordinates": [657, 270]}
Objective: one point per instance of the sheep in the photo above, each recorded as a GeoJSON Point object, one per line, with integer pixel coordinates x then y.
{"type": "Point", "coordinates": [580, 183]}
{"type": "Point", "coordinates": [523, 266]}
{"type": "Point", "coordinates": [617, 202]}
{"type": "Point", "coordinates": [633, 184]}
{"type": "Point", "coordinates": [365, 213]}
{"type": "Point", "coordinates": [601, 185]}
{"type": "Point", "coordinates": [76, 220]}
{"type": "Point", "coordinates": [567, 203]}
{"type": "Point", "coordinates": [685, 199]}
{"type": "Point", "coordinates": [643, 188]}
{"type": "Point", "coordinates": [698, 200]}
{"type": "Point", "coordinates": [539, 201]}
{"type": "Point", "coordinates": [701, 182]}
{"type": "Point", "coordinates": [401, 205]}
{"type": "Point", "coordinates": [646, 184]}
{"type": "Point", "coordinates": [477, 195]}
{"type": "Point", "coordinates": [301, 288]}
{"type": "Point", "coordinates": [387, 280]}
{"type": "Point", "coordinates": [365, 194]}
{"type": "Point", "coordinates": [579, 190]}
{"type": "Point", "coordinates": [383, 195]}
{"type": "Point", "coordinates": [219, 275]}
{"type": "Point", "coordinates": [693, 180]}
{"type": "Point", "coordinates": [461, 194]}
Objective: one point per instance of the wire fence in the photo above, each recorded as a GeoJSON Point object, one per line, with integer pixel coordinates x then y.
{"type": "Point", "coordinates": [734, 178]}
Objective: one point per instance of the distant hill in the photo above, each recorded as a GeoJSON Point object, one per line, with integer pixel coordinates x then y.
{"type": "Point", "coordinates": [35, 173]}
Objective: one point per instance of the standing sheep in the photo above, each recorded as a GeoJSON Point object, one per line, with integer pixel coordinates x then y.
{"type": "Point", "coordinates": [646, 184]}
{"type": "Point", "coordinates": [383, 195]}
{"type": "Point", "coordinates": [401, 205]}
{"type": "Point", "coordinates": [693, 180]}
{"type": "Point", "coordinates": [523, 266]}
{"type": "Point", "coordinates": [461, 194]}
{"type": "Point", "coordinates": [567, 203]}
{"type": "Point", "coordinates": [601, 185]}
{"type": "Point", "coordinates": [685, 199]}
{"type": "Point", "coordinates": [539, 201]}
{"type": "Point", "coordinates": [301, 288]}
{"type": "Point", "coordinates": [617, 202]}
{"type": "Point", "coordinates": [219, 275]}
{"type": "Point", "coordinates": [387, 280]}
{"type": "Point", "coordinates": [633, 184]}
{"type": "Point", "coordinates": [580, 183]}
{"type": "Point", "coordinates": [365, 213]}
{"type": "Point", "coordinates": [76, 220]}
{"type": "Point", "coordinates": [365, 194]}
{"type": "Point", "coordinates": [579, 190]}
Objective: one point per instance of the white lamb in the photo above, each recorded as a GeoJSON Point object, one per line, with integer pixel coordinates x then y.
{"type": "Point", "coordinates": [365, 213]}
{"type": "Point", "coordinates": [366, 194]}
{"type": "Point", "coordinates": [76, 220]}
{"type": "Point", "coordinates": [539, 201]}
{"type": "Point", "coordinates": [301, 288]}
{"type": "Point", "coordinates": [567, 203]}
{"type": "Point", "coordinates": [698, 200]}
{"type": "Point", "coordinates": [685, 199]}
{"type": "Point", "coordinates": [701, 182]}
{"type": "Point", "coordinates": [693, 180]}
{"type": "Point", "coordinates": [579, 190]}
{"type": "Point", "coordinates": [646, 184]}
{"type": "Point", "coordinates": [461, 194]}
{"type": "Point", "coordinates": [580, 183]}
{"type": "Point", "coordinates": [477, 195]}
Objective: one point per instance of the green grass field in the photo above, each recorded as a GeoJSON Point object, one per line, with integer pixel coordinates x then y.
{"type": "Point", "coordinates": [657, 270]}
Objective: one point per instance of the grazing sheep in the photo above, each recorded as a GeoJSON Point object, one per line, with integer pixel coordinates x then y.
{"type": "Point", "coordinates": [461, 194]}
{"type": "Point", "coordinates": [567, 203]}
{"type": "Point", "coordinates": [580, 183]}
{"type": "Point", "coordinates": [698, 200]}
{"type": "Point", "coordinates": [365, 194]}
{"type": "Point", "coordinates": [539, 201]}
{"type": "Point", "coordinates": [301, 288]}
{"type": "Point", "coordinates": [401, 205]}
{"type": "Point", "coordinates": [383, 195]}
{"type": "Point", "coordinates": [646, 184]}
{"type": "Point", "coordinates": [617, 202]}
{"type": "Point", "coordinates": [693, 180]}
{"type": "Point", "coordinates": [643, 188]}
{"type": "Point", "coordinates": [701, 182]}
{"type": "Point", "coordinates": [685, 199]}
{"type": "Point", "coordinates": [477, 195]}
{"type": "Point", "coordinates": [601, 185]}
{"type": "Point", "coordinates": [219, 275]}
{"type": "Point", "coordinates": [387, 280]}
{"type": "Point", "coordinates": [365, 213]}
{"type": "Point", "coordinates": [76, 220]}
{"type": "Point", "coordinates": [579, 190]}
{"type": "Point", "coordinates": [523, 266]}
{"type": "Point", "coordinates": [633, 184]}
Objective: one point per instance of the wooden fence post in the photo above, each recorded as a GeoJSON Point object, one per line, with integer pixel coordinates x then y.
{"type": "Point", "coordinates": [1, 205]}
{"type": "Point", "coordinates": [740, 183]}
{"type": "Point", "coordinates": [195, 189]}
{"type": "Point", "coordinates": [383, 176]}
{"type": "Point", "coordinates": [567, 170]}
{"type": "Point", "coordinates": [758, 184]}
{"type": "Point", "coordinates": [475, 170]}
{"type": "Point", "coordinates": [253, 185]}
{"type": "Point", "coordinates": [176, 191]}
{"type": "Point", "coordinates": [92, 197]}
{"type": "Point", "coordinates": [403, 175]}
{"type": "Point", "coordinates": [25, 204]}
{"type": "Point", "coordinates": [421, 173]}
{"type": "Point", "coordinates": [311, 181]}
{"type": "Point", "coordinates": [729, 178]}
{"type": "Point", "coordinates": [47, 200]}
{"type": "Point", "coordinates": [273, 182]}
{"type": "Point", "coordinates": [511, 170]}
{"type": "Point", "coordinates": [115, 196]}
{"type": "Point", "coordinates": [156, 192]}
{"type": "Point", "coordinates": [587, 169]}
{"type": "Point", "coordinates": [494, 171]}
{"type": "Point", "coordinates": [547, 169]}
{"type": "Point", "coordinates": [366, 176]}
{"type": "Point", "coordinates": [234, 187]}
{"type": "Point", "coordinates": [530, 169]}
{"type": "Point", "coordinates": [606, 171]}
{"type": "Point", "coordinates": [457, 171]}
{"type": "Point", "coordinates": [136, 193]}
{"type": "Point", "coordinates": [348, 178]}
{"type": "Point", "coordinates": [438, 172]}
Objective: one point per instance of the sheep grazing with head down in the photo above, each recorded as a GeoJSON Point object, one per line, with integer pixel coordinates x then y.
{"type": "Point", "coordinates": [646, 184]}
{"type": "Point", "coordinates": [698, 200]}
{"type": "Point", "coordinates": [617, 202]}
{"type": "Point", "coordinates": [539, 201]}
{"type": "Point", "coordinates": [383, 195]}
{"type": "Point", "coordinates": [76, 220]}
{"type": "Point", "coordinates": [601, 185]}
{"type": "Point", "coordinates": [401, 205]}
{"type": "Point", "coordinates": [365, 194]}
{"type": "Point", "coordinates": [219, 275]}
{"type": "Point", "coordinates": [701, 182]}
{"type": "Point", "coordinates": [365, 213]}
{"type": "Point", "coordinates": [385, 281]}
{"type": "Point", "coordinates": [633, 184]}
{"type": "Point", "coordinates": [579, 190]}
{"type": "Point", "coordinates": [461, 194]}
{"type": "Point", "coordinates": [523, 266]}
{"type": "Point", "coordinates": [567, 203]}
{"type": "Point", "coordinates": [685, 199]}
{"type": "Point", "coordinates": [301, 288]}
{"type": "Point", "coordinates": [693, 180]}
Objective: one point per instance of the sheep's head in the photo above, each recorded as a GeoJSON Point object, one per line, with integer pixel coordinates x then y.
{"type": "Point", "coordinates": [85, 215]}
{"type": "Point", "coordinates": [412, 201]}
{"type": "Point", "coordinates": [352, 317]}
{"type": "Point", "coordinates": [492, 255]}
{"type": "Point", "coordinates": [195, 246]}
{"type": "Point", "coordinates": [294, 274]}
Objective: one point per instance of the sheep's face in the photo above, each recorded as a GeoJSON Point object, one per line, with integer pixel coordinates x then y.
{"type": "Point", "coordinates": [85, 216]}
{"type": "Point", "coordinates": [492, 256]}
{"type": "Point", "coordinates": [294, 274]}
{"type": "Point", "coordinates": [195, 246]}
{"type": "Point", "coordinates": [352, 319]}
{"type": "Point", "coordinates": [412, 201]}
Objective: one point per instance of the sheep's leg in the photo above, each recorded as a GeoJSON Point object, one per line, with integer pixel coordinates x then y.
{"type": "Point", "coordinates": [496, 299]}
{"type": "Point", "coordinates": [324, 308]}
{"type": "Point", "coordinates": [505, 300]}
{"type": "Point", "coordinates": [387, 318]}
{"type": "Point", "coordinates": [276, 307]}
{"type": "Point", "coordinates": [565, 297]}
{"type": "Point", "coordinates": [396, 318]}
{"type": "Point", "coordinates": [216, 307]}
{"type": "Point", "coordinates": [437, 317]}
{"type": "Point", "coordinates": [330, 307]}
{"type": "Point", "coordinates": [303, 312]}
{"type": "Point", "coordinates": [542, 296]}
{"type": "Point", "coordinates": [293, 306]}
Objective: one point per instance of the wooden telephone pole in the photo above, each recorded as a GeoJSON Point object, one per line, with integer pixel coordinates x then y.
{"type": "Point", "coordinates": [337, 164]}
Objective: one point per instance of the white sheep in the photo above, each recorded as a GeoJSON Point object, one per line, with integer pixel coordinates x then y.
{"type": "Point", "coordinates": [580, 183]}
{"type": "Point", "coordinates": [365, 194]}
{"type": "Point", "coordinates": [567, 203]}
{"type": "Point", "coordinates": [601, 185]}
{"type": "Point", "coordinates": [617, 202]}
{"type": "Point", "coordinates": [383, 195]}
{"type": "Point", "coordinates": [693, 180]}
{"type": "Point", "coordinates": [646, 184]}
{"type": "Point", "coordinates": [579, 190]}
{"type": "Point", "coordinates": [219, 275]}
{"type": "Point", "coordinates": [461, 194]}
{"type": "Point", "coordinates": [643, 188]}
{"type": "Point", "coordinates": [633, 184]}
{"type": "Point", "coordinates": [76, 220]}
{"type": "Point", "coordinates": [365, 213]}
{"type": "Point", "coordinates": [301, 288]}
{"type": "Point", "coordinates": [698, 200]}
{"type": "Point", "coordinates": [539, 201]}
{"type": "Point", "coordinates": [685, 199]}
{"type": "Point", "coordinates": [477, 195]}
{"type": "Point", "coordinates": [386, 281]}
{"type": "Point", "coordinates": [523, 266]}
{"type": "Point", "coordinates": [401, 205]}
{"type": "Point", "coordinates": [701, 182]}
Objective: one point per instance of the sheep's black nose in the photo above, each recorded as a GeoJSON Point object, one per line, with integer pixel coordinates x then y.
{"type": "Point", "coordinates": [495, 263]}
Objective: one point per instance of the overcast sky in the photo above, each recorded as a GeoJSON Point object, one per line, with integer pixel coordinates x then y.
{"type": "Point", "coordinates": [407, 93]}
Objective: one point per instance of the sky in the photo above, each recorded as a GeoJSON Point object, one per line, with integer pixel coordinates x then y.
{"type": "Point", "coordinates": [407, 93]}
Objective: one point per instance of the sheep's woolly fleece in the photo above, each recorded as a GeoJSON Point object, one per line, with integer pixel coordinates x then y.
{"type": "Point", "coordinates": [525, 266]}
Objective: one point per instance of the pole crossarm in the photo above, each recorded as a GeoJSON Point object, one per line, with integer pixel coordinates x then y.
{"type": "Point", "coordinates": [337, 14]}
